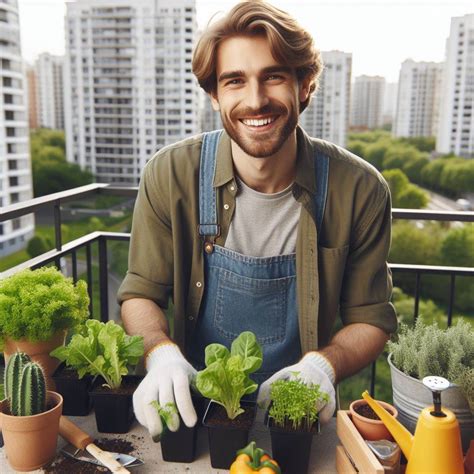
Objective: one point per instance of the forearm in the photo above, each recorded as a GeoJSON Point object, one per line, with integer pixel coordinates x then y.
{"type": "Point", "coordinates": [354, 347]}
{"type": "Point", "coordinates": [143, 317]}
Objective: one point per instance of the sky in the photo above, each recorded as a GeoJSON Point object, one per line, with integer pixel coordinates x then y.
{"type": "Point", "coordinates": [380, 34]}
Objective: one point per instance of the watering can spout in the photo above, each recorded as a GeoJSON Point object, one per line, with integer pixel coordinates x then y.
{"type": "Point", "coordinates": [402, 436]}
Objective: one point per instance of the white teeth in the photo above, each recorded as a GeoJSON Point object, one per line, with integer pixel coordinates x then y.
{"type": "Point", "coordinates": [259, 123]}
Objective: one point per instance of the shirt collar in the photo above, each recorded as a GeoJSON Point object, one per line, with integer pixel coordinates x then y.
{"type": "Point", "coordinates": [304, 161]}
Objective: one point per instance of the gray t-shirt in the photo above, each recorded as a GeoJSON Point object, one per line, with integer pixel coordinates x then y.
{"type": "Point", "coordinates": [264, 225]}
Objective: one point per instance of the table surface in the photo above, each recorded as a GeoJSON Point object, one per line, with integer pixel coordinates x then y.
{"type": "Point", "coordinates": [322, 454]}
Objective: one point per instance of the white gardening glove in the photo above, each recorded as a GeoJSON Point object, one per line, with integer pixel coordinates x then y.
{"type": "Point", "coordinates": [167, 382]}
{"type": "Point", "coordinates": [312, 368]}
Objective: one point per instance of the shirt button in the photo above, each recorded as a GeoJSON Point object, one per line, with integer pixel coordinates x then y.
{"type": "Point", "coordinates": [232, 188]}
{"type": "Point", "coordinates": [198, 284]}
{"type": "Point", "coordinates": [226, 206]}
{"type": "Point", "coordinates": [190, 318]}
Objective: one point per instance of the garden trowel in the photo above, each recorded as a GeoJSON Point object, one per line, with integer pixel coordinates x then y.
{"type": "Point", "coordinates": [92, 453]}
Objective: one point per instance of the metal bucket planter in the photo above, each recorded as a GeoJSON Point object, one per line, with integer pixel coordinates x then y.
{"type": "Point", "coordinates": [410, 396]}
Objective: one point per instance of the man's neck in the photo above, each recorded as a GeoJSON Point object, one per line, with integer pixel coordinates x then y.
{"type": "Point", "coordinates": [270, 174]}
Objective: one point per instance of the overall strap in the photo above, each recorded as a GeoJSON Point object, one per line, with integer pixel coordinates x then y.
{"type": "Point", "coordinates": [321, 162]}
{"type": "Point", "coordinates": [208, 226]}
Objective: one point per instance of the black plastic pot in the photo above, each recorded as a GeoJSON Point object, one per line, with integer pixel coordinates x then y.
{"type": "Point", "coordinates": [75, 391]}
{"type": "Point", "coordinates": [291, 449]}
{"type": "Point", "coordinates": [114, 408]}
{"type": "Point", "coordinates": [226, 440]}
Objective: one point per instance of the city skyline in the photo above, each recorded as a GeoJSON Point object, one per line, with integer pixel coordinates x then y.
{"type": "Point", "coordinates": [367, 29]}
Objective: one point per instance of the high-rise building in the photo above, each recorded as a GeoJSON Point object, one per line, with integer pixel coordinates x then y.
{"type": "Point", "coordinates": [367, 102]}
{"type": "Point", "coordinates": [33, 121]}
{"type": "Point", "coordinates": [15, 168]}
{"type": "Point", "coordinates": [389, 103]}
{"type": "Point", "coordinates": [456, 125]}
{"type": "Point", "coordinates": [132, 91]}
{"type": "Point", "coordinates": [419, 89]}
{"type": "Point", "coordinates": [327, 115]}
{"type": "Point", "coordinates": [50, 91]}
{"type": "Point", "coordinates": [209, 118]}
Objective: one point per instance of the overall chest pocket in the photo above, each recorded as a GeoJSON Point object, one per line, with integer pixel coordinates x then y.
{"type": "Point", "coordinates": [253, 304]}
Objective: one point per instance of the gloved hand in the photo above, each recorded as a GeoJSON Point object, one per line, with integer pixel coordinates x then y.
{"type": "Point", "coordinates": [312, 368]}
{"type": "Point", "coordinates": [167, 381]}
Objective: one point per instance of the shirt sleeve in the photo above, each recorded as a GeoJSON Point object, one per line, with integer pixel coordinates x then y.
{"type": "Point", "coordinates": [367, 284]}
{"type": "Point", "coordinates": [150, 260]}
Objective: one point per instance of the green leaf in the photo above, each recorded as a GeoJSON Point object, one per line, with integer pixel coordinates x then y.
{"type": "Point", "coordinates": [225, 379]}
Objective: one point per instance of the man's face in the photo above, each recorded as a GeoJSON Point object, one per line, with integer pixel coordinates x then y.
{"type": "Point", "coordinates": [257, 97]}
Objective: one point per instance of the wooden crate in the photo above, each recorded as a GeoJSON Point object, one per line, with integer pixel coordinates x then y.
{"type": "Point", "coordinates": [354, 449]}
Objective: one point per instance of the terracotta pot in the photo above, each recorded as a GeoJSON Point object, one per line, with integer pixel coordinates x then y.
{"type": "Point", "coordinates": [30, 441]}
{"type": "Point", "coordinates": [371, 430]}
{"type": "Point", "coordinates": [39, 352]}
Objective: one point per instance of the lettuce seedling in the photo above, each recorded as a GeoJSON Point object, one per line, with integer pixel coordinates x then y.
{"type": "Point", "coordinates": [296, 403]}
{"type": "Point", "coordinates": [102, 349]}
{"type": "Point", "coordinates": [226, 376]}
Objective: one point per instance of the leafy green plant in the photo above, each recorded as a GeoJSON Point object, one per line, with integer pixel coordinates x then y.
{"type": "Point", "coordinates": [424, 350]}
{"type": "Point", "coordinates": [166, 414]}
{"type": "Point", "coordinates": [25, 386]}
{"type": "Point", "coordinates": [34, 304]}
{"type": "Point", "coordinates": [102, 349]}
{"type": "Point", "coordinates": [226, 376]}
{"type": "Point", "coordinates": [296, 403]}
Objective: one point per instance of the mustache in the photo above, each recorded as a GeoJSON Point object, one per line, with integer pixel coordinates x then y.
{"type": "Point", "coordinates": [269, 109]}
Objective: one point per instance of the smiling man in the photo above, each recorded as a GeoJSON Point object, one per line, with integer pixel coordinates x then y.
{"type": "Point", "coordinates": [257, 227]}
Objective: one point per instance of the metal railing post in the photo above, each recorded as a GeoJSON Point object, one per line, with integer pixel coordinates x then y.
{"type": "Point", "coordinates": [103, 280]}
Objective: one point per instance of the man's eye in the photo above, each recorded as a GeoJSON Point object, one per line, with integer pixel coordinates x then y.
{"type": "Point", "coordinates": [274, 77]}
{"type": "Point", "coordinates": [234, 82]}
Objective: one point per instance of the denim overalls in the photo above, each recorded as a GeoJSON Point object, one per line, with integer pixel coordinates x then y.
{"type": "Point", "coordinates": [244, 293]}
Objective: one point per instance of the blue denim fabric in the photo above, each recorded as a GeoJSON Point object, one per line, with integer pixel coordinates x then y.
{"type": "Point", "coordinates": [244, 293]}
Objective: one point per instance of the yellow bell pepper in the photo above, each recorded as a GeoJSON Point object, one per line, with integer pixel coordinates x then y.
{"type": "Point", "coordinates": [252, 459]}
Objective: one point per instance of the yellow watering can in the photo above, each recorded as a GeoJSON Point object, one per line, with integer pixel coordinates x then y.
{"type": "Point", "coordinates": [436, 445]}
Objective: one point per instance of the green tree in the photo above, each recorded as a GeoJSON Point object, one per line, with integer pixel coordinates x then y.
{"type": "Point", "coordinates": [414, 167]}
{"type": "Point", "coordinates": [412, 197]}
{"type": "Point", "coordinates": [457, 248]}
{"type": "Point", "coordinates": [95, 224]}
{"type": "Point", "coordinates": [431, 173]}
{"type": "Point", "coordinates": [375, 153]}
{"type": "Point", "coordinates": [421, 143]}
{"type": "Point", "coordinates": [36, 246]}
{"type": "Point", "coordinates": [458, 176]}
{"type": "Point", "coordinates": [398, 156]}
{"type": "Point", "coordinates": [357, 147]}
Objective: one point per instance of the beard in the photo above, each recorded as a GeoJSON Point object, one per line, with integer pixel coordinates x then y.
{"type": "Point", "coordinates": [258, 144]}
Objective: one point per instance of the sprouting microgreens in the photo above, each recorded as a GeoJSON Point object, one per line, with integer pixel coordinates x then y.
{"type": "Point", "coordinates": [295, 402]}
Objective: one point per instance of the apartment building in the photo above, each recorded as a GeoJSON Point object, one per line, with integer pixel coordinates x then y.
{"type": "Point", "coordinates": [389, 103]}
{"type": "Point", "coordinates": [132, 91]}
{"type": "Point", "coordinates": [327, 116]}
{"type": "Point", "coordinates": [33, 121]}
{"type": "Point", "coordinates": [209, 118]}
{"type": "Point", "coordinates": [367, 102]}
{"type": "Point", "coordinates": [419, 89]}
{"type": "Point", "coordinates": [456, 126]}
{"type": "Point", "coordinates": [50, 91]}
{"type": "Point", "coordinates": [15, 169]}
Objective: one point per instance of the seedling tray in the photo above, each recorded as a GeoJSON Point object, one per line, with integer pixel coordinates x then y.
{"type": "Point", "coordinates": [354, 453]}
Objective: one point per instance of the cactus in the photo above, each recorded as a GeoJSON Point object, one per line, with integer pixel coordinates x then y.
{"type": "Point", "coordinates": [25, 386]}
{"type": "Point", "coordinates": [32, 390]}
{"type": "Point", "coordinates": [12, 379]}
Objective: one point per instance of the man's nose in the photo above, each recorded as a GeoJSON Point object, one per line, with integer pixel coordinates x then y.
{"type": "Point", "coordinates": [256, 96]}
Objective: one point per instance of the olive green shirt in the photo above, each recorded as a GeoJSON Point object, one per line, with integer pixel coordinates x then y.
{"type": "Point", "coordinates": [342, 270]}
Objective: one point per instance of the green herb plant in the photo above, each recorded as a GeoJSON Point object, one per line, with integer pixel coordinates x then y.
{"type": "Point", "coordinates": [102, 349]}
{"type": "Point", "coordinates": [226, 376]}
{"type": "Point", "coordinates": [296, 403]}
{"type": "Point", "coordinates": [423, 350]}
{"type": "Point", "coordinates": [35, 304]}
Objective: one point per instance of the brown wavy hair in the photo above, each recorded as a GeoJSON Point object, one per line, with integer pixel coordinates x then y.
{"type": "Point", "coordinates": [290, 44]}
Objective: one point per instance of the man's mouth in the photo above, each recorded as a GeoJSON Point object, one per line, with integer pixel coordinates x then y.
{"type": "Point", "coordinates": [259, 122]}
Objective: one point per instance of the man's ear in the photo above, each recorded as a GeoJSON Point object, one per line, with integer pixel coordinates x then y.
{"type": "Point", "coordinates": [214, 101]}
{"type": "Point", "coordinates": [304, 88]}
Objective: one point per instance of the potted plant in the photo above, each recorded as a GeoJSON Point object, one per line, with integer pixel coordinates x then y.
{"type": "Point", "coordinates": [176, 445]}
{"type": "Point", "coordinates": [292, 419]}
{"type": "Point", "coordinates": [424, 350]}
{"type": "Point", "coordinates": [104, 351]}
{"type": "Point", "coordinates": [37, 307]}
{"type": "Point", "coordinates": [367, 422]}
{"type": "Point", "coordinates": [225, 380]}
{"type": "Point", "coordinates": [29, 415]}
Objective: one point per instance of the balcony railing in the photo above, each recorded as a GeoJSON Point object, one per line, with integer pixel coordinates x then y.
{"type": "Point", "coordinates": [70, 249]}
